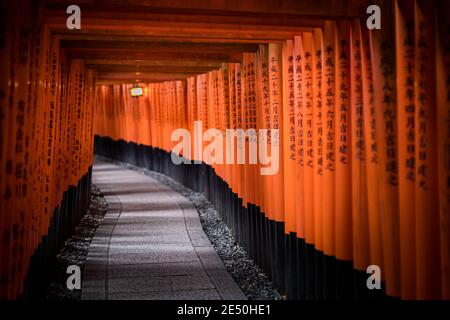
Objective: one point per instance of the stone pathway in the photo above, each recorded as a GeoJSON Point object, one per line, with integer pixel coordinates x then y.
{"type": "Point", "coordinates": [150, 244]}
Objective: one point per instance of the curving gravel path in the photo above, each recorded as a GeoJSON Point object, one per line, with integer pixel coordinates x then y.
{"type": "Point", "coordinates": [249, 277]}
{"type": "Point", "coordinates": [150, 244]}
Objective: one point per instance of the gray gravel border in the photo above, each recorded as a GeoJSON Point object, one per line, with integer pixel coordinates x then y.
{"type": "Point", "coordinates": [76, 248]}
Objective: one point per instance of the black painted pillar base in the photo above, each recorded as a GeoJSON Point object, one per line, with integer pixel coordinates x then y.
{"type": "Point", "coordinates": [65, 218]}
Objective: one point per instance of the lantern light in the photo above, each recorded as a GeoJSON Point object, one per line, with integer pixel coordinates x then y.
{"type": "Point", "coordinates": [136, 91]}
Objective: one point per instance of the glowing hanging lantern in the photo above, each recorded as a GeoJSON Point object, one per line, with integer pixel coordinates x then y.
{"type": "Point", "coordinates": [137, 91]}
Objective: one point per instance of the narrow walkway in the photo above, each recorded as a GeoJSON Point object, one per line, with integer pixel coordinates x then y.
{"type": "Point", "coordinates": [150, 244]}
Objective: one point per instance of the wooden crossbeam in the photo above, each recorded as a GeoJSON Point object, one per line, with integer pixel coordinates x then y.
{"type": "Point", "coordinates": [160, 46]}
{"type": "Point", "coordinates": [102, 35]}
{"type": "Point", "coordinates": [131, 77]}
{"type": "Point", "coordinates": [180, 34]}
{"type": "Point", "coordinates": [298, 8]}
{"type": "Point", "coordinates": [142, 55]}
{"type": "Point", "coordinates": [150, 69]}
{"type": "Point", "coordinates": [152, 62]}
{"type": "Point", "coordinates": [178, 30]}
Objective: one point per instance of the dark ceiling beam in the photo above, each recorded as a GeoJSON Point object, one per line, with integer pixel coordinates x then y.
{"type": "Point", "coordinates": [180, 35]}
{"type": "Point", "coordinates": [275, 8]}
{"type": "Point", "coordinates": [180, 30]}
{"type": "Point", "coordinates": [131, 77]}
{"type": "Point", "coordinates": [162, 46]}
{"type": "Point", "coordinates": [143, 14]}
{"type": "Point", "coordinates": [136, 25]}
{"type": "Point", "coordinates": [142, 55]}
{"type": "Point", "coordinates": [148, 69]}
{"type": "Point", "coordinates": [152, 62]}
{"type": "Point", "coordinates": [112, 81]}
{"type": "Point", "coordinates": [100, 35]}
{"type": "Point", "coordinates": [103, 35]}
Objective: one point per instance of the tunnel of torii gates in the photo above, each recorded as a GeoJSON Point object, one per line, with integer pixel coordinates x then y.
{"type": "Point", "coordinates": [361, 118]}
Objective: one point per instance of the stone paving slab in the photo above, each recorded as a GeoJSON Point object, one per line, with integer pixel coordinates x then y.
{"type": "Point", "coordinates": [209, 294]}
{"type": "Point", "coordinates": [160, 269]}
{"type": "Point", "coordinates": [165, 283]}
{"type": "Point", "coordinates": [150, 244]}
